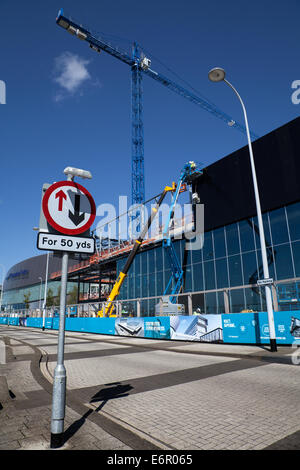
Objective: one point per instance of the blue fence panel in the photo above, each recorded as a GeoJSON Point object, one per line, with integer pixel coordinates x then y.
{"type": "Point", "coordinates": [34, 322]}
{"type": "Point", "coordinates": [104, 326]}
{"type": "Point", "coordinates": [13, 321]}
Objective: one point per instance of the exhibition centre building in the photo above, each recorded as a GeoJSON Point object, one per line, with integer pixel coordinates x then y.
{"type": "Point", "coordinates": [223, 276]}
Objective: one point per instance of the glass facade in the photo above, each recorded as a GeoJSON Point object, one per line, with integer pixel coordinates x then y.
{"type": "Point", "coordinates": [230, 258]}
{"type": "Point", "coordinates": [15, 297]}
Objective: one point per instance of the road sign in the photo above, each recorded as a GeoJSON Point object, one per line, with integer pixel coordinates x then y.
{"type": "Point", "coordinates": [49, 241]}
{"type": "Point", "coordinates": [265, 282]}
{"type": "Point", "coordinates": [69, 208]}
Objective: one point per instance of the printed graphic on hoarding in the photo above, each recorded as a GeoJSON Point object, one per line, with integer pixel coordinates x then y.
{"type": "Point", "coordinates": [157, 327]}
{"type": "Point", "coordinates": [241, 328]}
{"type": "Point", "coordinates": [23, 321]}
{"type": "Point", "coordinates": [295, 327]}
{"type": "Point", "coordinates": [129, 326]}
{"type": "Point", "coordinates": [204, 328]}
{"type": "Point", "coordinates": [253, 328]}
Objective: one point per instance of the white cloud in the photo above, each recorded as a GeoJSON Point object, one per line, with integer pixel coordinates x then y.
{"type": "Point", "coordinates": [70, 73]}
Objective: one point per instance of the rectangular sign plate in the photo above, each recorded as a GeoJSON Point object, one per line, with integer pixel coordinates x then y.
{"type": "Point", "coordinates": [49, 241]}
{"type": "Point", "coordinates": [265, 282]}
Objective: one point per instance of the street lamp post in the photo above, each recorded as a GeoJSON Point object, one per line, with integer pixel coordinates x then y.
{"type": "Point", "coordinates": [46, 281]}
{"type": "Point", "coordinates": [40, 301]}
{"type": "Point", "coordinates": [45, 291]}
{"type": "Point", "coordinates": [217, 75]}
{"type": "Point", "coordinates": [2, 284]}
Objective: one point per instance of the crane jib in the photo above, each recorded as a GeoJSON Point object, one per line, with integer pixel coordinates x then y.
{"type": "Point", "coordinates": [84, 33]}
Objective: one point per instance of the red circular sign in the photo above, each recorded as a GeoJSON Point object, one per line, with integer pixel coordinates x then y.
{"type": "Point", "coordinates": [69, 208]}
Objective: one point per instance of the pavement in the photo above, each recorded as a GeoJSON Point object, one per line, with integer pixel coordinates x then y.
{"type": "Point", "coordinates": [207, 396]}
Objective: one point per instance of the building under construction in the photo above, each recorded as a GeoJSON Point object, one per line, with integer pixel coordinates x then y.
{"type": "Point", "coordinates": [222, 276]}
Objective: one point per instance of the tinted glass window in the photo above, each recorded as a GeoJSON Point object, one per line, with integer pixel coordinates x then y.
{"type": "Point", "coordinates": [222, 273]}
{"type": "Point", "coordinates": [278, 226]}
{"type": "Point", "coordinates": [130, 287]}
{"type": "Point", "coordinates": [296, 254]}
{"type": "Point", "coordinates": [168, 276]}
{"type": "Point", "coordinates": [177, 248]}
{"type": "Point", "coordinates": [293, 214]}
{"type": "Point", "coordinates": [159, 259]}
{"type": "Point", "coordinates": [208, 247]}
{"type": "Point", "coordinates": [196, 255]}
{"type": "Point", "coordinates": [152, 285]}
{"type": "Point", "coordinates": [160, 283]}
{"type": "Point", "coordinates": [237, 301]}
{"type": "Point", "coordinates": [246, 235]}
{"type": "Point", "coordinates": [209, 273]}
{"type": "Point", "coordinates": [188, 279]}
{"type": "Point", "coordinates": [145, 285]}
{"type": "Point", "coordinates": [137, 265]}
{"type": "Point", "coordinates": [137, 286]}
{"type": "Point", "coordinates": [250, 267]}
{"type": "Point", "coordinates": [151, 262]}
{"type": "Point", "coordinates": [144, 263]}
{"type": "Point", "coordinates": [283, 260]}
{"type": "Point", "coordinates": [221, 302]}
{"type": "Point", "coordinates": [198, 277]}
{"type": "Point", "coordinates": [219, 242]}
{"type": "Point", "coordinates": [253, 299]}
{"type": "Point", "coordinates": [232, 239]}
{"type": "Point", "coordinates": [211, 302]}
{"type": "Point", "coordinates": [235, 271]}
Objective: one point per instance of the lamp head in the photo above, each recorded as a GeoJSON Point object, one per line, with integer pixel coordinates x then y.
{"type": "Point", "coordinates": [71, 172]}
{"type": "Point", "coordinates": [216, 74]}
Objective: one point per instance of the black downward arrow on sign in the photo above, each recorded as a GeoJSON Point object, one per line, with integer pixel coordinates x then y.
{"type": "Point", "coordinates": [76, 218]}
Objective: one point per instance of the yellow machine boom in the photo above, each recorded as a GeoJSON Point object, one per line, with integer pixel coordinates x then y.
{"type": "Point", "coordinates": [108, 306]}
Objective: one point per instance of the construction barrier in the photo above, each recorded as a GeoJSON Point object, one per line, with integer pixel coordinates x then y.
{"type": "Point", "coordinates": [240, 328]}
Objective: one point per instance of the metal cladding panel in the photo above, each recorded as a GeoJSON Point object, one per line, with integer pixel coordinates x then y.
{"type": "Point", "coordinates": [27, 272]}
{"type": "Point", "coordinates": [226, 186]}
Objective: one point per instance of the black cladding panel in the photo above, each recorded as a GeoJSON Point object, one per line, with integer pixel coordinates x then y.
{"type": "Point", "coordinates": [226, 186]}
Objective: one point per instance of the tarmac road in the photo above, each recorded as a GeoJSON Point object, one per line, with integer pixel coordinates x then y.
{"type": "Point", "coordinates": [134, 394]}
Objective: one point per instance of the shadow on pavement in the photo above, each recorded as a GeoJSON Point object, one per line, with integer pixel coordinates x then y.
{"type": "Point", "coordinates": [117, 391]}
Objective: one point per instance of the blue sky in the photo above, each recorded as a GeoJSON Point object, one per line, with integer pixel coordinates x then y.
{"type": "Point", "coordinates": [61, 113]}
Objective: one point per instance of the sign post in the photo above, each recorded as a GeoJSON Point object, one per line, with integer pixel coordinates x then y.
{"type": "Point", "coordinates": [60, 376]}
{"type": "Point", "coordinates": [70, 210]}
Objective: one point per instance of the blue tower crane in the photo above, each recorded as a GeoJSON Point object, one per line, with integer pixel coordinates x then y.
{"type": "Point", "coordinates": [140, 65]}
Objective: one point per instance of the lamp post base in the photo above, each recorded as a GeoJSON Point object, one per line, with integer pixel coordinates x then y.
{"type": "Point", "coordinates": [57, 440]}
{"type": "Point", "coordinates": [273, 345]}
